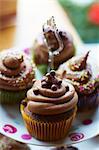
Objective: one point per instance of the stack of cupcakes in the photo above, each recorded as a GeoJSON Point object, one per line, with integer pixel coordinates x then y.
{"type": "Point", "coordinates": [50, 105]}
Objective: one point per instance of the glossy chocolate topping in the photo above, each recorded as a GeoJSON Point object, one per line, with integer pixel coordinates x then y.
{"type": "Point", "coordinates": [50, 96]}
{"type": "Point", "coordinates": [78, 71]}
{"type": "Point", "coordinates": [15, 71]}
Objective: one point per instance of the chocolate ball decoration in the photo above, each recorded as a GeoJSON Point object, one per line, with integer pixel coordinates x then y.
{"type": "Point", "coordinates": [52, 72]}
{"type": "Point", "coordinates": [44, 84]}
{"type": "Point", "coordinates": [50, 81]}
{"type": "Point", "coordinates": [36, 91]}
{"type": "Point", "coordinates": [48, 75]}
{"type": "Point", "coordinates": [59, 82]}
{"type": "Point", "coordinates": [67, 88]}
{"type": "Point", "coordinates": [11, 62]}
{"type": "Point", "coordinates": [34, 80]}
{"type": "Point", "coordinates": [43, 79]}
{"type": "Point", "coordinates": [54, 87]}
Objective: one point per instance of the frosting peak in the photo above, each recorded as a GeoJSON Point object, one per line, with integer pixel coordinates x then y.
{"type": "Point", "coordinates": [80, 63]}
{"type": "Point", "coordinates": [16, 71]}
{"type": "Point", "coordinates": [11, 64]}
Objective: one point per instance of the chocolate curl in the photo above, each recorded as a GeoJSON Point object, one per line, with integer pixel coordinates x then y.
{"type": "Point", "coordinates": [84, 60]}
{"type": "Point", "coordinates": [80, 64]}
{"type": "Point", "coordinates": [53, 39]}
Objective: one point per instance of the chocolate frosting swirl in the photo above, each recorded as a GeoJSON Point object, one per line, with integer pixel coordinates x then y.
{"type": "Point", "coordinates": [46, 100]}
{"type": "Point", "coordinates": [79, 73]}
{"type": "Point", "coordinates": [15, 71]}
{"type": "Point", "coordinates": [41, 50]}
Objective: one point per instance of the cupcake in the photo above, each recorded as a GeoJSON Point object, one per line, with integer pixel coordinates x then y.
{"type": "Point", "coordinates": [78, 72]}
{"type": "Point", "coordinates": [10, 144]}
{"type": "Point", "coordinates": [40, 48]}
{"type": "Point", "coordinates": [16, 75]}
{"type": "Point", "coordinates": [50, 108]}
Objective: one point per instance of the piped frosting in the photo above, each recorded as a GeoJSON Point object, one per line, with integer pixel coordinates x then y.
{"type": "Point", "coordinates": [51, 96]}
{"type": "Point", "coordinates": [16, 72]}
{"type": "Point", "coordinates": [79, 72]}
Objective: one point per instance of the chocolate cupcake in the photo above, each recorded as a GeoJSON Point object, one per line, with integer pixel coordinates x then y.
{"type": "Point", "coordinates": [40, 48]}
{"type": "Point", "coordinates": [49, 108]}
{"type": "Point", "coordinates": [16, 75]}
{"type": "Point", "coordinates": [79, 73]}
{"type": "Point", "coordinates": [9, 144]}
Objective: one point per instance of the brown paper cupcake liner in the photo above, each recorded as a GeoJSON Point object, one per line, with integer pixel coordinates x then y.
{"type": "Point", "coordinates": [11, 97]}
{"type": "Point", "coordinates": [47, 131]}
{"type": "Point", "coordinates": [85, 103]}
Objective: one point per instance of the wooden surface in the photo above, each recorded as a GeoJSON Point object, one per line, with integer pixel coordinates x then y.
{"type": "Point", "coordinates": [31, 14]}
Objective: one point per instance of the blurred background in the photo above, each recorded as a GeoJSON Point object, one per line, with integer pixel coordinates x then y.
{"type": "Point", "coordinates": [21, 20]}
{"type": "Point", "coordinates": [84, 15]}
